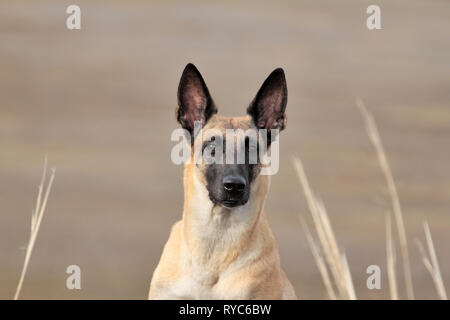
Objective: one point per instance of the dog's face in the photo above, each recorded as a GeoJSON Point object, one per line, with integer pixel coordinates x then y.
{"type": "Point", "coordinates": [230, 147]}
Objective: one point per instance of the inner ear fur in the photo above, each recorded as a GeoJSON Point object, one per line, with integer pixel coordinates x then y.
{"type": "Point", "coordinates": [194, 101]}
{"type": "Point", "coordinates": [268, 107]}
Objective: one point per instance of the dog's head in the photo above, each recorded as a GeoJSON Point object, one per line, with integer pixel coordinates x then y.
{"type": "Point", "coordinates": [230, 148]}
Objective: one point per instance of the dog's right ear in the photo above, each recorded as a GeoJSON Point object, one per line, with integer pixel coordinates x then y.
{"type": "Point", "coordinates": [194, 100]}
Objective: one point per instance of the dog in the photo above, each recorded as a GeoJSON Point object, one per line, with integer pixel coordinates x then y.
{"type": "Point", "coordinates": [223, 247]}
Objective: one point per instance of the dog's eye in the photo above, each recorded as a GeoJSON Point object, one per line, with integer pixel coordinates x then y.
{"type": "Point", "coordinates": [212, 149]}
{"type": "Point", "coordinates": [209, 149]}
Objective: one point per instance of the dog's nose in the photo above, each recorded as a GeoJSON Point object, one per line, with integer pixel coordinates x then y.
{"type": "Point", "coordinates": [234, 183]}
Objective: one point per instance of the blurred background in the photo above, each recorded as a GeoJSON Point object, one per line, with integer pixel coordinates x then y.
{"type": "Point", "coordinates": [100, 102]}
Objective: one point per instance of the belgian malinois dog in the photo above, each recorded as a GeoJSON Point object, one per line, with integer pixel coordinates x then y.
{"type": "Point", "coordinates": [223, 247]}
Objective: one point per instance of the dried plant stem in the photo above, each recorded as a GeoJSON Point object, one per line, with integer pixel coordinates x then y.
{"type": "Point", "coordinates": [348, 278]}
{"type": "Point", "coordinates": [319, 261]}
{"type": "Point", "coordinates": [374, 136]}
{"type": "Point", "coordinates": [336, 261]}
{"type": "Point", "coordinates": [313, 207]}
{"type": "Point", "coordinates": [36, 219]}
{"type": "Point", "coordinates": [332, 263]}
{"type": "Point", "coordinates": [432, 265]}
{"type": "Point", "coordinates": [390, 254]}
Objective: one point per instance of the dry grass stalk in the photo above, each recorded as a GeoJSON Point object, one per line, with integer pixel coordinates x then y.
{"type": "Point", "coordinates": [374, 136]}
{"type": "Point", "coordinates": [319, 261]}
{"type": "Point", "coordinates": [432, 265]}
{"type": "Point", "coordinates": [333, 255]}
{"type": "Point", "coordinates": [348, 278]}
{"type": "Point", "coordinates": [36, 219]}
{"type": "Point", "coordinates": [335, 260]}
{"type": "Point", "coordinates": [390, 255]}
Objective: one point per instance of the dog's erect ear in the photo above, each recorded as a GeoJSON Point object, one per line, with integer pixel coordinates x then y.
{"type": "Point", "coordinates": [194, 101]}
{"type": "Point", "coordinates": [267, 109]}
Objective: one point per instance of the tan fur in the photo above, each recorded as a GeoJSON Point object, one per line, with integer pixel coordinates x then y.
{"type": "Point", "coordinates": [219, 253]}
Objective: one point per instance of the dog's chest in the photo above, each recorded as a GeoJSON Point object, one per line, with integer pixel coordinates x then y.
{"type": "Point", "coordinates": [189, 287]}
{"type": "Point", "coordinates": [206, 283]}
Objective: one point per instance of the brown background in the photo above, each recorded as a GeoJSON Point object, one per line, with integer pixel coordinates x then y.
{"type": "Point", "coordinates": [100, 102]}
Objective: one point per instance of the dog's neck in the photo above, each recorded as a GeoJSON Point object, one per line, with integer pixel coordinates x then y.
{"type": "Point", "coordinates": [215, 235]}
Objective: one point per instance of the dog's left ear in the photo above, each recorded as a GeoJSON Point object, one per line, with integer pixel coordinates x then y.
{"type": "Point", "coordinates": [267, 109]}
